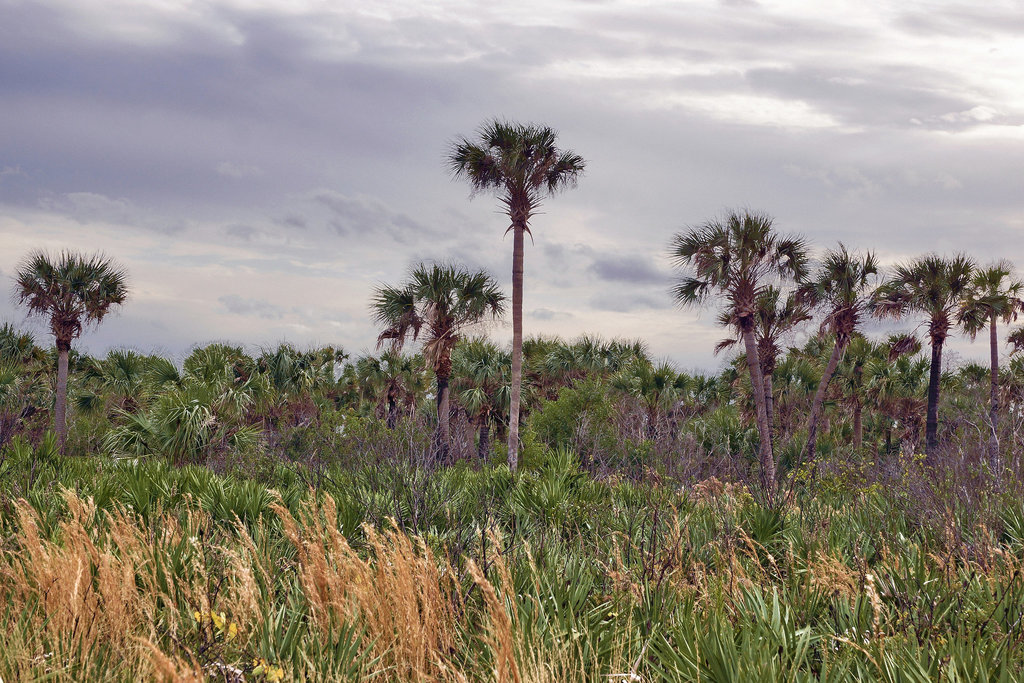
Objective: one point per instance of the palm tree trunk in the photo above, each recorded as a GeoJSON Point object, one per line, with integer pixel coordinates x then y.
{"type": "Point", "coordinates": [443, 437]}
{"type": "Point", "coordinates": [652, 422]}
{"type": "Point", "coordinates": [767, 458]}
{"type": "Point", "coordinates": [61, 400]}
{"type": "Point", "coordinates": [483, 448]}
{"type": "Point", "coordinates": [518, 231]}
{"type": "Point", "coordinates": [858, 424]}
{"type": "Point", "coordinates": [931, 431]}
{"type": "Point", "coordinates": [392, 411]}
{"type": "Point", "coordinates": [993, 444]}
{"type": "Point", "coordinates": [769, 402]}
{"type": "Point", "coordinates": [819, 399]}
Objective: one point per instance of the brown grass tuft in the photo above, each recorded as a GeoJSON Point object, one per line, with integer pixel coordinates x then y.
{"type": "Point", "coordinates": [407, 600]}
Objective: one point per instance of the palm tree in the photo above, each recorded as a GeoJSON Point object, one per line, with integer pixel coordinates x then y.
{"type": "Point", "coordinates": [522, 164]}
{"type": "Point", "coordinates": [775, 317]}
{"type": "Point", "coordinates": [205, 409]}
{"type": "Point", "coordinates": [122, 374]}
{"type": "Point", "coordinates": [739, 257]}
{"type": "Point", "coordinates": [794, 381]}
{"type": "Point", "coordinates": [860, 353]}
{"type": "Point", "coordinates": [73, 291]}
{"type": "Point", "coordinates": [389, 380]}
{"type": "Point", "coordinates": [892, 377]}
{"type": "Point", "coordinates": [935, 287]}
{"type": "Point", "coordinates": [591, 355]}
{"type": "Point", "coordinates": [481, 380]}
{"type": "Point", "coordinates": [656, 387]}
{"type": "Point", "coordinates": [540, 383]}
{"type": "Point", "coordinates": [445, 300]}
{"type": "Point", "coordinates": [993, 295]}
{"type": "Point", "coordinates": [22, 379]}
{"type": "Point", "coordinates": [843, 285]}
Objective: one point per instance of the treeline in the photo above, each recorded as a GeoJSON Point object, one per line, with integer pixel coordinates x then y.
{"type": "Point", "coordinates": [608, 401]}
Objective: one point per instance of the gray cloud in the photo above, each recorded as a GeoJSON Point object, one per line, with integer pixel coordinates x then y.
{"type": "Point", "coordinates": [245, 233]}
{"type": "Point", "coordinates": [239, 305]}
{"type": "Point", "coordinates": [632, 269]}
{"type": "Point", "coordinates": [548, 314]}
{"type": "Point", "coordinates": [890, 95]}
{"type": "Point", "coordinates": [354, 215]}
{"type": "Point", "coordinates": [231, 169]}
{"type": "Point", "coordinates": [624, 302]}
{"type": "Point", "coordinates": [981, 21]}
{"type": "Point", "coordinates": [91, 207]}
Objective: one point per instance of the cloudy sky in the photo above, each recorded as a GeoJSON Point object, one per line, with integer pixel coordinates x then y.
{"type": "Point", "coordinates": [260, 165]}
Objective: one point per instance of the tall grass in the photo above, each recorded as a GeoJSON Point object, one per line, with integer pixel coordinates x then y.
{"type": "Point", "coordinates": [114, 572]}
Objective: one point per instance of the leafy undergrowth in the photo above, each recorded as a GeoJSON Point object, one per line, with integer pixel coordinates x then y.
{"type": "Point", "coordinates": [115, 572]}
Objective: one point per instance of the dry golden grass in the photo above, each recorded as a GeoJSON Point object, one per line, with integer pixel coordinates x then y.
{"type": "Point", "coordinates": [405, 597]}
{"type": "Point", "coordinates": [84, 592]}
{"type": "Point", "coordinates": [832, 575]}
{"type": "Point", "coordinates": [96, 587]}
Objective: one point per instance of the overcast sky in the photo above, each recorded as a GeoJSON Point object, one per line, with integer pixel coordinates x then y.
{"type": "Point", "coordinates": [260, 166]}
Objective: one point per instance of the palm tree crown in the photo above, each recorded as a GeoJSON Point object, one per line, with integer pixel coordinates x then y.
{"type": "Point", "coordinates": [931, 285]}
{"type": "Point", "coordinates": [444, 299]}
{"type": "Point", "coordinates": [519, 162]}
{"type": "Point", "coordinates": [72, 290]}
{"type": "Point", "coordinates": [994, 292]}
{"type": "Point", "coordinates": [842, 285]}
{"type": "Point", "coordinates": [738, 256]}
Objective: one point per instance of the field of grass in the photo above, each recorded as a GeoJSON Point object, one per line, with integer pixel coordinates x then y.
{"type": "Point", "coordinates": [128, 571]}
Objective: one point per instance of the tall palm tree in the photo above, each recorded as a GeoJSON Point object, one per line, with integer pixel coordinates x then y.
{"type": "Point", "coordinates": [523, 166]}
{"type": "Point", "coordinates": [843, 286]}
{"type": "Point", "coordinates": [738, 257]}
{"type": "Point", "coordinates": [994, 295]}
{"type": "Point", "coordinates": [934, 287]}
{"type": "Point", "coordinates": [444, 299]}
{"type": "Point", "coordinates": [482, 382]}
{"type": "Point", "coordinates": [73, 291]}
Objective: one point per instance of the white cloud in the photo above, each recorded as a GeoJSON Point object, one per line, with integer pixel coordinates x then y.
{"type": "Point", "coordinates": [981, 113]}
